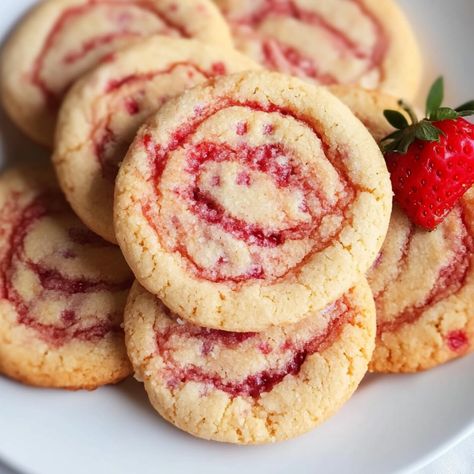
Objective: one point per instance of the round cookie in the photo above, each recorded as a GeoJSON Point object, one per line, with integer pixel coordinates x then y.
{"type": "Point", "coordinates": [102, 113]}
{"type": "Point", "coordinates": [59, 40]}
{"type": "Point", "coordinates": [368, 106]}
{"type": "Point", "coordinates": [423, 282]}
{"type": "Point", "coordinates": [251, 201]}
{"type": "Point", "coordinates": [250, 388]}
{"type": "Point", "coordinates": [63, 290]}
{"type": "Point", "coordinates": [368, 42]}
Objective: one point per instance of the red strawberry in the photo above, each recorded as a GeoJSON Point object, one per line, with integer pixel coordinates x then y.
{"type": "Point", "coordinates": [431, 162]}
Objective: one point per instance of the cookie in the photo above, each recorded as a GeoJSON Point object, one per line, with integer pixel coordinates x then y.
{"type": "Point", "coordinates": [367, 42]}
{"type": "Point", "coordinates": [251, 201]}
{"type": "Point", "coordinates": [368, 106]}
{"type": "Point", "coordinates": [103, 112]}
{"type": "Point", "coordinates": [423, 282]}
{"type": "Point", "coordinates": [62, 293]}
{"type": "Point", "coordinates": [250, 388]}
{"type": "Point", "coordinates": [59, 40]}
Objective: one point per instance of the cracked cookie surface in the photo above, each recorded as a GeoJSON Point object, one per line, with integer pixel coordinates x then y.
{"type": "Point", "coordinates": [102, 113]}
{"type": "Point", "coordinates": [250, 388]}
{"type": "Point", "coordinates": [63, 290]}
{"type": "Point", "coordinates": [423, 282]}
{"type": "Point", "coordinates": [251, 201]}
{"type": "Point", "coordinates": [367, 42]}
{"type": "Point", "coordinates": [60, 40]}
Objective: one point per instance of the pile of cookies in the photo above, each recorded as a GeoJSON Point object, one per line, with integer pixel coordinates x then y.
{"type": "Point", "coordinates": [260, 268]}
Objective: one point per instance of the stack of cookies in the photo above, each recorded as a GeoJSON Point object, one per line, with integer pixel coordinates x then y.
{"type": "Point", "coordinates": [250, 208]}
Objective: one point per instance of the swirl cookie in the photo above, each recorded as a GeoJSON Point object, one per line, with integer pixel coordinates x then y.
{"type": "Point", "coordinates": [62, 39]}
{"type": "Point", "coordinates": [250, 388]}
{"type": "Point", "coordinates": [62, 293]}
{"type": "Point", "coordinates": [103, 112]}
{"type": "Point", "coordinates": [368, 107]}
{"type": "Point", "coordinates": [251, 201]}
{"type": "Point", "coordinates": [368, 42]}
{"type": "Point", "coordinates": [423, 282]}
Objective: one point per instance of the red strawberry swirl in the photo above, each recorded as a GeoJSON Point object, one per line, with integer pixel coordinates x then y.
{"type": "Point", "coordinates": [127, 101]}
{"type": "Point", "coordinates": [442, 277]}
{"type": "Point", "coordinates": [348, 58]}
{"type": "Point", "coordinates": [34, 273]}
{"type": "Point", "coordinates": [258, 210]}
{"type": "Point", "coordinates": [72, 47]}
{"type": "Point", "coordinates": [193, 354]}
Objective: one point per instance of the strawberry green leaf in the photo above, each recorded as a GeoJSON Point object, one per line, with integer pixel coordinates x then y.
{"type": "Point", "coordinates": [389, 146]}
{"type": "Point", "coordinates": [409, 110]}
{"type": "Point", "coordinates": [426, 131]}
{"type": "Point", "coordinates": [395, 119]}
{"type": "Point", "coordinates": [409, 129]}
{"type": "Point", "coordinates": [406, 140]}
{"type": "Point", "coordinates": [467, 107]}
{"type": "Point", "coordinates": [396, 135]}
{"type": "Point", "coordinates": [399, 141]}
{"type": "Point", "coordinates": [435, 96]}
{"type": "Point", "coordinates": [443, 113]}
{"type": "Point", "coordinates": [390, 142]}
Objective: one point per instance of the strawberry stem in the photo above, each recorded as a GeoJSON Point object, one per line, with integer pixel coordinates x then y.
{"type": "Point", "coordinates": [408, 110]}
{"type": "Point", "coordinates": [426, 129]}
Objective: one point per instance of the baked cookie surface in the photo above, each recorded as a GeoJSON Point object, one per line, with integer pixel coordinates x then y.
{"type": "Point", "coordinates": [103, 112]}
{"type": "Point", "coordinates": [368, 42]}
{"type": "Point", "coordinates": [368, 106]}
{"type": "Point", "coordinates": [423, 282]}
{"type": "Point", "coordinates": [63, 290]}
{"type": "Point", "coordinates": [59, 40]}
{"type": "Point", "coordinates": [256, 194]}
{"type": "Point", "coordinates": [250, 388]}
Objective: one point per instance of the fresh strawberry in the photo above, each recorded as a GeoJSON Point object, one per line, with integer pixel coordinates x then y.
{"type": "Point", "coordinates": [431, 162]}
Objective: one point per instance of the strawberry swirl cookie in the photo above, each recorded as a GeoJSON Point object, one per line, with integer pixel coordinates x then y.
{"type": "Point", "coordinates": [368, 42]}
{"type": "Point", "coordinates": [368, 107]}
{"type": "Point", "coordinates": [250, 388]}
{"type": "Point", "coordinates": [423, 282]}
{"type": "Point", "coordinates": [63, 290]}
{"type": "Point", "coordinates": [59, 40]}
{"type": "Point", "coordinates": [251, 201]}
{"type": "Point", "coordinates": [103, 112]}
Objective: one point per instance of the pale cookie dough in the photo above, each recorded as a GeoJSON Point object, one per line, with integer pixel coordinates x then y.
{"type": "Point", "coordinates": [368, 107]}
{"type": "Point", "coordinates": [102, 113]}
{"type": "Point", "coordinates": [367, 42]}
{"type": "Point", "coordinates": [423, 282]}
{"type": "Point", "coordinates": [59, 40]}
{"type": "Point", "coordinates": [251, 201]}
{"type": "Point", "coordinates": [62, 293]}
{"type": "Point", "coordinates": [250, 388]}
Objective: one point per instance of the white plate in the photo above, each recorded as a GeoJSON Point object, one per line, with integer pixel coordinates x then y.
{"type": "Point", "coordinates": [392, 424]}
